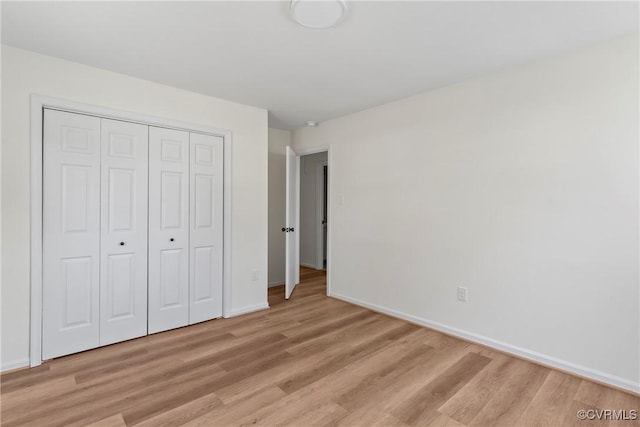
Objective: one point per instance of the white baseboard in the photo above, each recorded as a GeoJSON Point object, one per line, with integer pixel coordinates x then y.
{"type": "Point", "coordinates": [523, 353]}
{"type": "Point", "coordinates": [14, 364]}
{"type": "Point", "coordinates": [248, 309]}
{"type": "Point", "coordinates": [276, 283]}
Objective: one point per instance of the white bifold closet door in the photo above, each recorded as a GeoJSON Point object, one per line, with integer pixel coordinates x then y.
{"type": "Point", "coordinates": [123, 273]}
{"type": "Point", "coordinates": [95, 232]}
{"type": "Point", "coordinates": [205, 296]}
{"type": "Point", "coordinates": [71, 231]}
{"type": "Point", "coordinates": [132, 230]}
{"type": "Point", "coordinates": [168, 229]}
{"type": "Point", "coordinates": [185, 228]}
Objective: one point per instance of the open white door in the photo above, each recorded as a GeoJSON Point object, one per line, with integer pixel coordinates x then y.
{"type": "Point", "coordinates": [292, 274]}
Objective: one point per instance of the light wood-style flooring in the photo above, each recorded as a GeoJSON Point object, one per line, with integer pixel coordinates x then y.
{"type": "Point", "coordinates": [311, 360]}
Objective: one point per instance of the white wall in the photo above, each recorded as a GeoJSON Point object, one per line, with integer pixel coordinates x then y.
{"type": "Point", "coordinates": [521, 185]}
{"type": "Point", "coordinates": [308, 208]}
{"type": "Point", "coordinates": [24, 73]}
{"type": "Point", "coordinates": [278, 140]}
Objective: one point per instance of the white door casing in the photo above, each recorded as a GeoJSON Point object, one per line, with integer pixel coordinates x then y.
{"type": "Point", "coordinates": [168, 229]}
{"type": "Point", "coordinates": [206, 236]}
{"type": "Point", "coordinates": [123, 272]}
{"type": "Point", "coordinates": [292, 228]}
{"type": "Point", "coordinates": [71, 233]}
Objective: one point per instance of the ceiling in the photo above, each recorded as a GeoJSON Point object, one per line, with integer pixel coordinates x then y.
{"type": "Point", "coordinates": [252, 52]}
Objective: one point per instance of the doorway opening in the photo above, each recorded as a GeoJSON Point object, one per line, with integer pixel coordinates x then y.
{"type": "Point", "coordinates": [324, 222]}
{"type": "Point", "coordinates": [307, 217]}
{"type": "Point", "coordinates": [313, 210]}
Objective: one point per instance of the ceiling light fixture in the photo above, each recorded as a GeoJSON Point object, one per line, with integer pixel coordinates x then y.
{"type": "Point", "coordinates": [318, 14]}
{"type": "Point", "coordinates": [312, 123]}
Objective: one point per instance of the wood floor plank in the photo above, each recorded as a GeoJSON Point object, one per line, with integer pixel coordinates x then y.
{"type": "Point", "coordinates": [344, 358]}
{"type": "Point", "coordinates": [508, 403]}
{"type": "Point", "coordinates": [184, 413]}
{"type": "Point", "coordinates": [421, 408]}
{"type": "Point", "coordinates": [112, 421]}
{"type": "Point", "coordinates": [322, 414]}
{"type": "Point", "coordinates": [283, 411]}
{"type": "Point", "coordinates": [348, 334]}
{"type": "Point", "coordinates": [37, 392]}
{"type": "Point", "coordinates": [359, 393]}
{"type": "Point", "coordinates": [395, 393]}
{"type": "Point", "coordinates": [231, 414]}
{"type": "Point", "coordinates": [268, 377]}
{"type": "Point", "coordinates": [597, 396]}
{"type": "Point", "coordinates": [552, 400]}
{"type": "Point", "coordinates": [310, 360]}
{"type": "Point", "coordinates": [465, 405]}
{"type": "Point", "coordinates": [227, 350]}
{"type": "Point", "coordinates": [594, 396]}
{"type": "Point", "coordinates": [158, 401]}
{"type": "Point", "coordinates": [93, 403]}
{"type": "Point", "coordinates": [298, 335]}
{"type": "Point", "coordinates": [443, 420]}
{"type": "Point", "coordinates": [369, 418]}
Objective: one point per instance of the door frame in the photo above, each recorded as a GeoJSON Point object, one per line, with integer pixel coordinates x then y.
{"type": "Point", "coordinates": [321, 149]}
{"type": "Point", "coordinates": [320, 212]}
{"type": "Point", "coordinates": [37, 104]}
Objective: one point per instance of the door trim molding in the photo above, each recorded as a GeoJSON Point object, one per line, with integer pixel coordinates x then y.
{"type": "Point", "coordinates": [37, 104]}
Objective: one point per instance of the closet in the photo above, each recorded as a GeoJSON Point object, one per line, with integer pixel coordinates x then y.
{"type": "Point", "coordinates": [132, 230]}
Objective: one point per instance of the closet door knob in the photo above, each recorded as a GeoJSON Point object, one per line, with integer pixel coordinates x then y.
{"type": "Point", "coordinates": [121, 243]}
{"type": "Point", "coordinates": [171, 239]}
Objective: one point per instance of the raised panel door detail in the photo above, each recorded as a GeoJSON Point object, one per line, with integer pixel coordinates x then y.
{"type": "Point", "coordinates": [203, 273]}
{"type": "Point", "coordinates": [171, 151]}
{"type": "Point", "coordinates": [171, 200]}
{"type": "Point", "coordinates": [121, 285]}
{"type": "Point", "coordinates": [170, 278]}
{"type": "Point", "coordinates": [77, 140]}
{"type": "Point", "coordinates": [203, 203]}
{"type": "Point", "coordinates": [77, 287]}
{"type": "Point", "coordinates": [75, 197]}
{"type": "Point", "coordinates": [204, 155]}
{"type": "Point", "coordinates": [122, 145]}
{"type": "Point", "coordinates": [122, 196]}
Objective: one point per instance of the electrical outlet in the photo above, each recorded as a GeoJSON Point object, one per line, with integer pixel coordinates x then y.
{"type": "Point", "coordinates": [462, 293]}
{"type": "Point", "coordinates": [254, 275]}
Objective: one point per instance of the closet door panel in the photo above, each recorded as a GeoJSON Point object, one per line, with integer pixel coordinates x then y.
{"type": "Point", "coordinates": [123, 281]}
{"type": "Point", "coordinates": [168, 229]}
{"type": "Point", "coordinates": [71, 231]}
{"type": "Point", "coordinates": [206, 198]}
